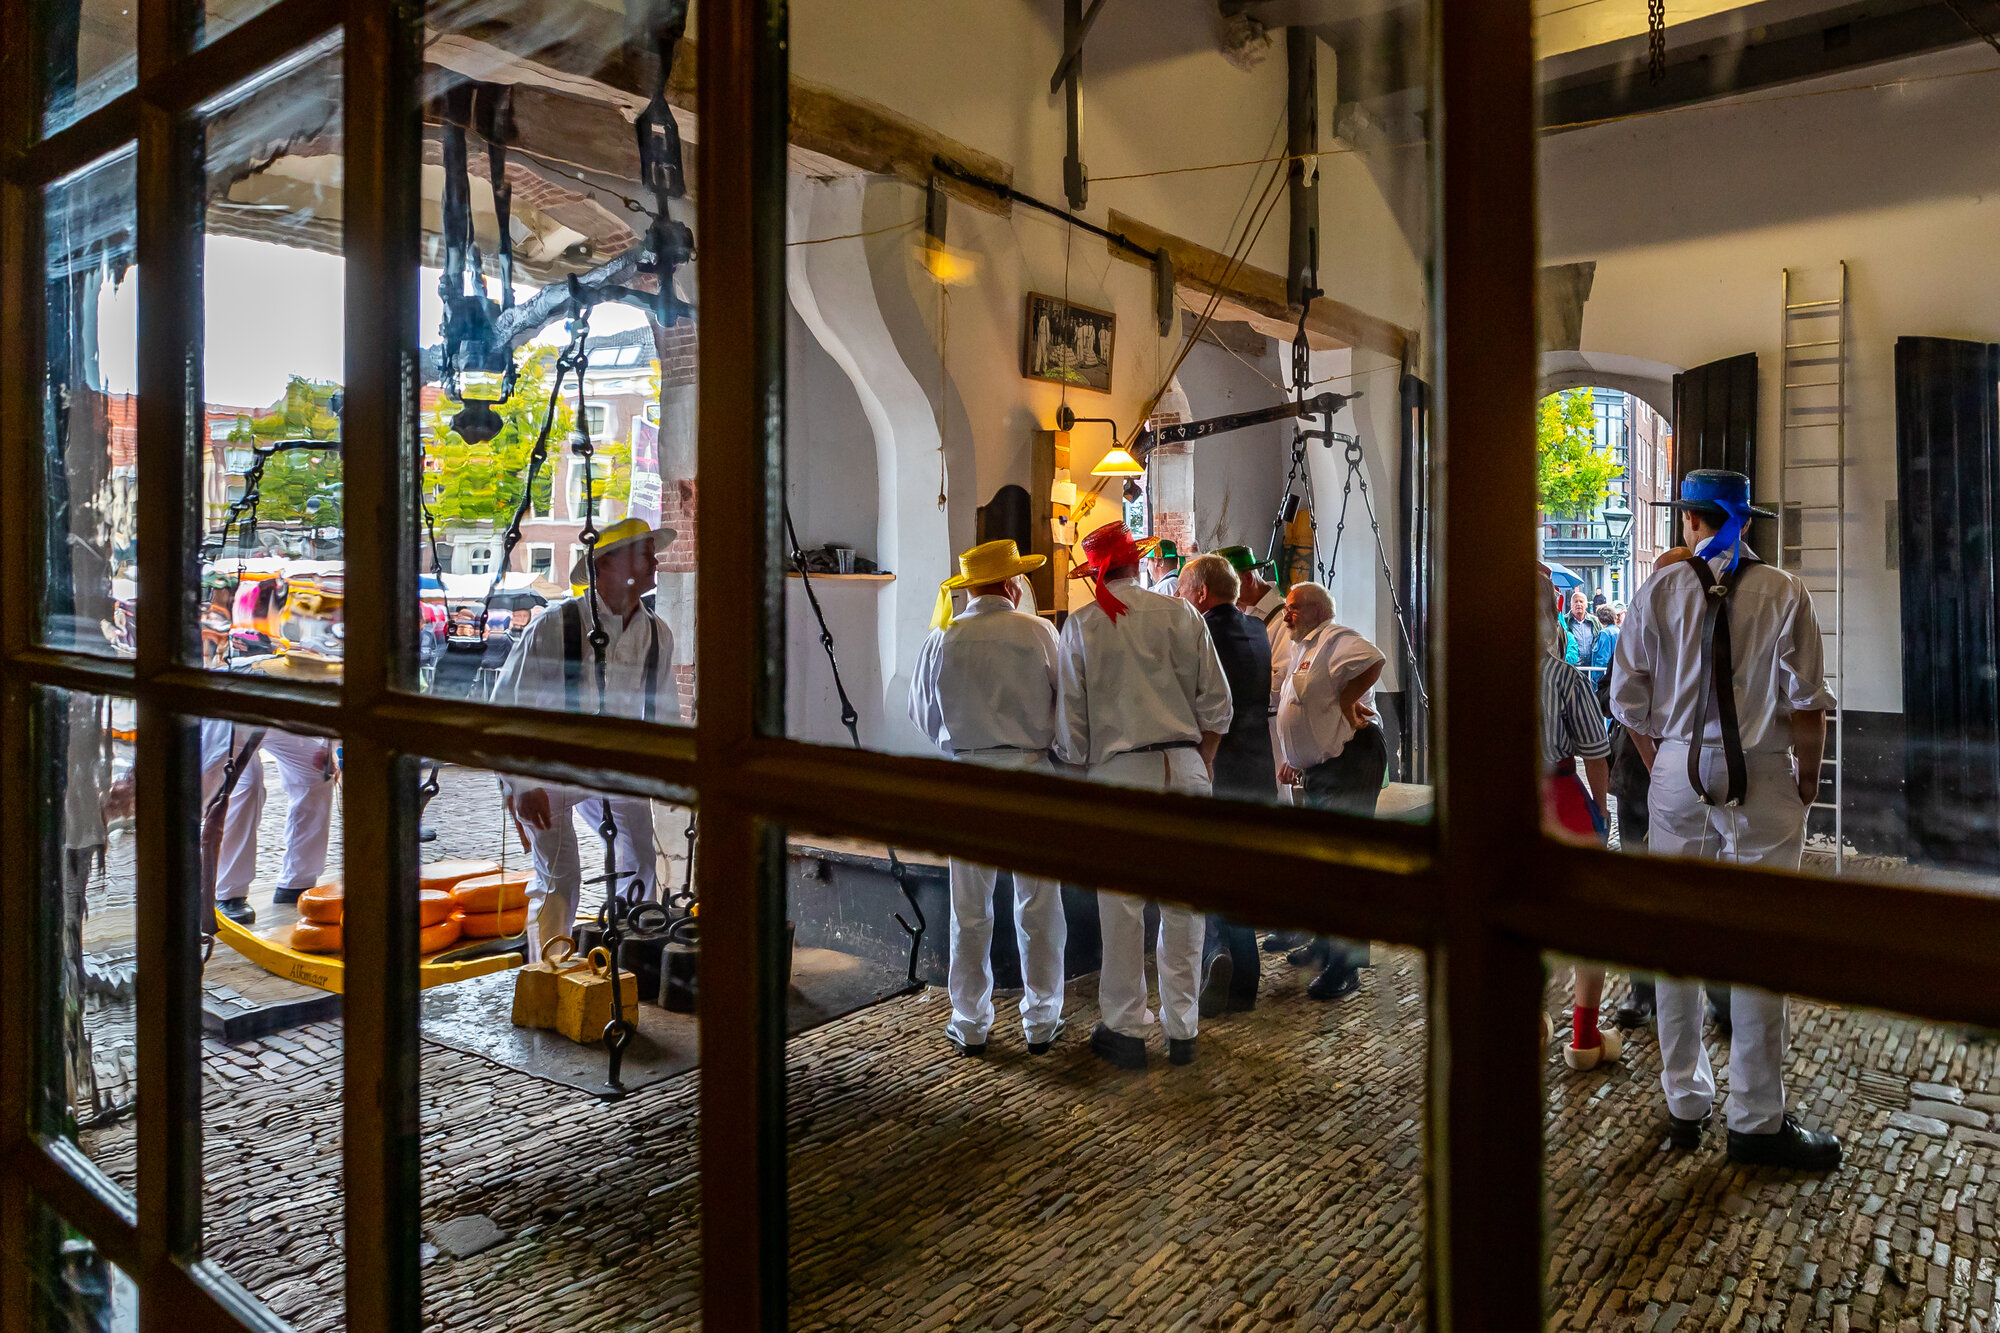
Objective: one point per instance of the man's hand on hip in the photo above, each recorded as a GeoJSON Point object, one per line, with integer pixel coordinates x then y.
{"type": "Point", "coordinates": [531, 807]}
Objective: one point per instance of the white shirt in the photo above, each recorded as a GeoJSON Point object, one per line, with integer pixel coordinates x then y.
{"type": "Point", "coordinates": [1270, 612]}
{"type": "Point", "coordinates": [1151, 678]}
{"type": "Point", "coordinates": [533, 674]}
{"type": "Point", "coordinates": [1775, 647]}
{"type": "Point", "coordinates": [1312, 726]}
{"type": "Point", "coordinates": [987, 681]}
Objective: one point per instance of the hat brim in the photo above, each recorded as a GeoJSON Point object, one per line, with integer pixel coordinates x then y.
{"type": "Point", "coordinates": [1707, 504]}
{"type": "Point", "coordinates": [579, 573]}
{"type": "Point", "coordinates": [1026, 564]}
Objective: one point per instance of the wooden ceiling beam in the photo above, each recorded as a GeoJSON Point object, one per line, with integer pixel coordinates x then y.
{"type": "Point", "coordinates": [1257, 295]}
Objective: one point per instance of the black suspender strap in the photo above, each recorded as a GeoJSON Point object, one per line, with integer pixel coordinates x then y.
{"type": "Point", "coordinates": [572, 635]}
{"type": "Point", "coordinates": [1718, 674]}
{"type": "Point", "coordinates": [652, 669]}
{"type": "Point", "coordinates": [212, 817]}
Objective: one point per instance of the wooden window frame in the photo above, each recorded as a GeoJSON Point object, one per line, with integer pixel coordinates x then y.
{"type": "Point", "coordinates": [1479, 890]}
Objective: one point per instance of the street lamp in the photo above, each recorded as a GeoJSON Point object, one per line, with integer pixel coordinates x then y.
{"type": "Point", "coordinates": [1617, 526]}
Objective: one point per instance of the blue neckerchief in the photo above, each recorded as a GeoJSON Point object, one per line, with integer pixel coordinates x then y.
{"type": "Point", "coordinates": [1730, 536]}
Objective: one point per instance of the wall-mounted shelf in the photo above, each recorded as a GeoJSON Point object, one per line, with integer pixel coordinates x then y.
{"type": "Point", "coordinates": [845, 578]}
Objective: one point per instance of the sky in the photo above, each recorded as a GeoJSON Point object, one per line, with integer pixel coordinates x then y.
{"type": "Point", "coordinates": [274, 311]}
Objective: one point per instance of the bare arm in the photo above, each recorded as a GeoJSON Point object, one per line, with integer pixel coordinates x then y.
{"type": "Point", "coordinates": [1647, 747]}
{"type": "Point", "coordinates": [1211, 741]}
{"type": "Point", "coordinates": [1597, 773]}
{"type": "Point", "coordinates": [1809, 744]}
{"type": "Point", "coordinates": [1350, 698]}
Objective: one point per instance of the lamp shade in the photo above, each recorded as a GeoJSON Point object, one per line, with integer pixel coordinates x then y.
{"type": "Point", "coordinates": [1118, 463]}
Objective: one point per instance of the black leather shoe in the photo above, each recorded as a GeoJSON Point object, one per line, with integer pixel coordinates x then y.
{"type": "Point", "coordinates": [1180, 1050]}
{"type": "Point", "coordinates": [1042, 1047]}
{"type": "Point", "coordinates": [1284, 941]}
{"type": "Point", "coordinates": [1119, 1049]}
{"type": "Point", "coordinates": [1685, 1135]}
{"type": "Point", "coordinates": [425, 833]}
{"type": "Point", "coordinates": [1793, 1147]}
{"type": "Point", "coordinates": [285, 897]}
{"type": "Point", "coordinates": [1719, 1015]}
{"type": "Point", "coordinates": [1215, 990]}
{"type": "Point", "coordinates": [238, 910]}
{"type": "Point", "coordinates": [1633, 1016]}
{"type": "Point", "coordinates": [965, 1047]}
{"type": "Point", "coordinates": [1336, 982]}
{"type": "Point", "coordinates": [1306, 954]}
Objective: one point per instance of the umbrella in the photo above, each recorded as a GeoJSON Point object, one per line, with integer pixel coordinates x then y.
{"type": "Point", "coordinates": [516, 599]}
{"type": "Point", "coordinates": [1564, 578]}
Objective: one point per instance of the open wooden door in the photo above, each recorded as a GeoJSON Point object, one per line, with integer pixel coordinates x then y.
{"type": "Point", "coordinates": [1715, 426]}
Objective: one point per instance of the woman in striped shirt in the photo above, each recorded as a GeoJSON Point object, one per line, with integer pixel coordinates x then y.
{"type": "Point", "coordinates": [1572, 729]}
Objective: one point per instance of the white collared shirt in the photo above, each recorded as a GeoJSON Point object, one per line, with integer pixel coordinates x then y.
{"type": "Point", "coordinates": [1312, 726]}
{"type": "Point", "coordinates": [1150, 678]}
{"type": "Point", "coordinates": [532, 676]}
{"type": "Point", "coordinates": [987, 681]}
{"type": "Point", "coordinates": [1775, 647]}
{"type": "Point", "coordinates": [1270, 612]}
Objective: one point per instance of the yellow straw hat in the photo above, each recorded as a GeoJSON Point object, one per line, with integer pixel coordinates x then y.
{"type": "Point", "coordinates": [622, 533]}
{"type": "Point", "coordinates": [989, 562]}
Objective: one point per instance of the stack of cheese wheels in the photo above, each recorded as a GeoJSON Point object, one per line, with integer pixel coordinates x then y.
{"type": "Point", "coordinates": [320, 910]}
{"type": "Point", "coordinates": [493, 905]}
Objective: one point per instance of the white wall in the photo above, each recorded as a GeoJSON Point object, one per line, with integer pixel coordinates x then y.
{"type": "Point", "coordinates": [830, 473]}
{"type": "Point", "coordinates": [1692, 216]}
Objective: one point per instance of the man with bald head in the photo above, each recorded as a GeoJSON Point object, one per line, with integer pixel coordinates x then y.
{"type": "Point", "coordinates": [1333, 748]}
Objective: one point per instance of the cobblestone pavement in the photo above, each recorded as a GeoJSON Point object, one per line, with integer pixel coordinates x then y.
{"type": "Point", "coordinates": [1276, 1184]}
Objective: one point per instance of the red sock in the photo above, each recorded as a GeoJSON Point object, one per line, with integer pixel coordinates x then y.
{"type": "Point", "coordinates": [1583, 1029]}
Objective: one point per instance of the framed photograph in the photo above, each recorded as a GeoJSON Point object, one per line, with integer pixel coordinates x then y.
{"type": "Point", "coordinates": [1067, 344]}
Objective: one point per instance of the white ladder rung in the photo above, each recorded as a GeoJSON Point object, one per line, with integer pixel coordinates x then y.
{"type": "Point", "coordinates": [1814, 384]}
{"type": "Point", "coordinates": [1811, 305]}
{"type": "Point", "coordinates": [1815, 462]}
{"type": "Point", "coordinates": [1823, 342]}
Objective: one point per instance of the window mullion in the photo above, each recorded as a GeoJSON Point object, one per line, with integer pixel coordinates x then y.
{"type": "Point", "coordinates": [1485, 1106]}
{"type": "Point", "coordinates": [381, 1153]}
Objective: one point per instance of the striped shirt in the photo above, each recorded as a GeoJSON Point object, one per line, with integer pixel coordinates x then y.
{"type": "Point", "coordinates": [1571, 726]}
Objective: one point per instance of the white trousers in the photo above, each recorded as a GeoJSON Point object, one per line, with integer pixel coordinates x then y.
{"type": "Point", "coordinates": [1040, 929]}
{"type": "Point", "coordinates": [1768, 828]}
{"type": "Point", "coordinates": [237, 864]}
{"type": "Point", "coordinates": [305, 767]}
{"type": "Point", "coordinates": [557, 886]}
{"type": "Point", "coordinates": [1121, 987]}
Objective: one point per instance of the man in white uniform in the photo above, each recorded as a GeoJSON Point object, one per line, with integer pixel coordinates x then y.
{"type": "Point", "coordinates": [554, 667]}
{"type": "Point", "coordinates": [307, 770]}
{"type": "Point", "coordinates": [984, 691]}
{"type": "Point", "coordinates": [1144, 704]}
{"type": "Point", "coordinates": [1163, 565]}
{"type": "Point", "coordinates": [1725, 785]}
{"type": "Point", "coordinates": [1330, 745]}
{"type": "Point", "coordinates": [237, 864]}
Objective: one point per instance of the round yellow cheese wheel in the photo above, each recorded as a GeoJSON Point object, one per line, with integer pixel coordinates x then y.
{"type": "Point", "coordinates": [491, 925]}
{"type": "Point", "coordinates": [440, 936]}
{"type": "Point", "coordinates": [322, 903]}
{"type": "Point", "coordinates": [314, 937]}
{"type": "Point", "coordinates": [445, 874]}
{"type": "Point", "coordinates": [492, 893]}
{"type": "Point", "coordinates": [434, 906]}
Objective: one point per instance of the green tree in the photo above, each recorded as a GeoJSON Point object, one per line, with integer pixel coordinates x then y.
{"type": "Point", "coordinates": [300, 486]}
{"type": "Point", "coordinates": [1572, 475]}
{"type": "Point", "coordinates": [467, 484]}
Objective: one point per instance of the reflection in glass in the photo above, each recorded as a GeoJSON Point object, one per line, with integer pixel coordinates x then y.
{"type": "Point", "coordinates": [557, 495]}
{"type": "Point", "coordinates": [89, 416]}
{"type": "Point", "coordinates": [554, 1199]}
{"type": "Point", "coordinates": [75, 1286]}
{"type": "Point", "coordinates": [270, 507]}
{"type": "Point", "coordinates": [92, 56]}
{"type": "Point", "coordinates": [978, 362]}
{"type": "Point", "coordinates": [1033, 1176]}
{"type": "Point", "coordinates": [89, 1013]}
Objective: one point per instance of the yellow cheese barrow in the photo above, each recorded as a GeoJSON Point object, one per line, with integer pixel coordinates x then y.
{"type": "Point", "coordinates": [327, 972]}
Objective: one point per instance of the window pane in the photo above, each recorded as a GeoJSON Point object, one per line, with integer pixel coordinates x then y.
{"type": "Point", "coordinates": [963, 370]}
{"type": "Point", "coordinates": [523, 1139]}
{"type": "Point", "coordinates": [89, 413]}
{"type": "Point", "coordinates": [271, 1087]}
{"type": "Point", "coordinates": [75, 1287]}
{"type": "Point", "coordinates": [87, 1025]}
{"type": "Point", "coordinates": [1276, 1181]}
{"type": "Point", "coordinates": [270, 507]}
{"type": "Point", "coordinates": [557, 424]}
{"type": "Point", "coordinates": [1836, 350]}
{"type": "Point", "coordinates": [92, 57]}
{"type": "Point", "coordinates": [1701, 1232]}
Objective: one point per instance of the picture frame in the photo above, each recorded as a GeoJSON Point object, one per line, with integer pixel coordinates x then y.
{"type": "Point", "coordinates": [1066, 343]}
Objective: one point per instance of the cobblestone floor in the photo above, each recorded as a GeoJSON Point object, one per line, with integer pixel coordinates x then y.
{"type": "Point", "coordinates": [1274, 1185]}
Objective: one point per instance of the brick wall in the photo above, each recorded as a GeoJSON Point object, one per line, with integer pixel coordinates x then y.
{"type": "Point", "coordinates": [677, 355]}
{"type": "Point", "coordinates": [677, 511]}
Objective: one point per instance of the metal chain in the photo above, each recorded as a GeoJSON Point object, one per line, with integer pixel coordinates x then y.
{"type": "Point", "coordinates": [1656, 41]}
{"type": "Point", "coordinates": [1356, 473]}
{"type": "Point", "coordinates": [850, 719]}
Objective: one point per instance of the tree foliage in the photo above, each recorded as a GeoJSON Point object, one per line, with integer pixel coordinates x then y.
{"type": "Point", "coordinates": [468, 484]}
{"type": "Point", "coordinates": [298, 486]}
{"type": "Point", "coordinates": [1572, 475]}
